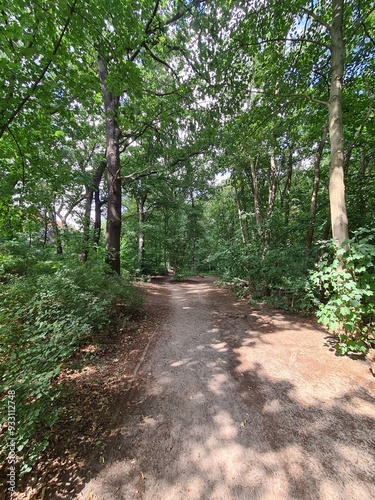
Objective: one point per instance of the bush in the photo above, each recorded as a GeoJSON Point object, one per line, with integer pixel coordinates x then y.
{"type": "Point", "coordinates": [280, 275]}
{"type": "Point", "coordinates": [346, 282]}
{"type": "Point", "coordinates": [43, 320]}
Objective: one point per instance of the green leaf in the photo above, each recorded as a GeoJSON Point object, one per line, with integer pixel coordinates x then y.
{"type": "Point", "coordinates": [345, 310]}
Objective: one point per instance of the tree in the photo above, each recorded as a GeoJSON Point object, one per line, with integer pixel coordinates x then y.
{"type": "Point", "coordinates": [113, 231]}
{"type": "Point", "coordinates": [30, 36]}
{"type": "Point", "coordinates": [148, 29]}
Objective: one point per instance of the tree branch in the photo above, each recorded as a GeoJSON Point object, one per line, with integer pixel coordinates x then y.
{"type": "Point", "coordinates": [316, 18]}
{"type": "Point", "coordinates": [293, 40]}
{"type": "Point", "coordinates": [301, 95]}
{"type": "Point", "coordinates": [21, 155]}
{"type": "Point", "coordinates": [138, 175]}
{"type": "Point", "coordinates": [182, 12]}
{"type": "Point", "coordinates": [41, 76]}
{"type": "Point", "coordinates": [164, 63]}
{"type": "Point", "coordinates": [155, 11]}
{"type": "Point", "coordinates": [189, 155]}
{"type": "Point", "coordinates": [368, 34]}
{"type": "Point", "coordinates": [361, 22]}
{"type": "Point", "coordinates": [168, 22]}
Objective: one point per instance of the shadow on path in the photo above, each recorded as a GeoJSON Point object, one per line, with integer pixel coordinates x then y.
{"type": "Point", "coordinates": [240, 406]}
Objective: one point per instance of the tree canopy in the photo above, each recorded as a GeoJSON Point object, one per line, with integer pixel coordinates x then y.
{"type": "Point", "coordinates": [232, 137]}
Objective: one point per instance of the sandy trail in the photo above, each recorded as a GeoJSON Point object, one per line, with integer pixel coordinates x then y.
{"type": "Point", "coordinates": [238, 403]}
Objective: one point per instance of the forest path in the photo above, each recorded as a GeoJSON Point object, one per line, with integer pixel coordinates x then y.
{"type": "Point", "coordinates": [242, 403]}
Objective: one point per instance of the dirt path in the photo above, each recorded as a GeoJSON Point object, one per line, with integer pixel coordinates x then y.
{"type": "Point", "coordinates": [239, 404]}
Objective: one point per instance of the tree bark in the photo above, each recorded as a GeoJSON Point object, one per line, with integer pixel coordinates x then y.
{"type": "Point", "coordinates": [98, 218]}
{"type": "Point", "coordinates": [239, 212]}
{"type": "Point", "coordinates": [339, 220]}
{"type": "Point", "coordinates": [141, 235]}
{"type": "Point", "coordinates": [45, 232]}
{"type": "Point", "coordinates": [86, 223]}
{"type": "Point", "coordinates": [92, 191]}
{"type": "Point", "coordinates": [55, 229]}
{"type": "Point", "coordinates": [98, 203]}
{"type": "Point", "coordinates": [255, 190]}
{"type": "Point", "coordinates": [272, 185]}
{"type": "Point", "coordinates": [314, 194]}
{"type": "Point", "coordinates": [113, 229]}
{"type": "Point", "coordinates": [286, 191]}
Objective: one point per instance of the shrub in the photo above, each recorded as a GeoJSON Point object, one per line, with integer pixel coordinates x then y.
{"type": "Point", "coordinates": [43, 320]}
{"type": "Point", "coordinates": [280, 275]}
{"type": "Point", "coordinates": [346, 281]}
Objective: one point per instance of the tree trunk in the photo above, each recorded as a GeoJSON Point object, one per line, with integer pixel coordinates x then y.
{"type": "Point", "coordinates": [98, 218]}
{"type": "Point", "coordinates": [55, 229]}
{"type": "Point", "coordinates": [141, 235]}
{"type": "Point", "coordinates": [255, 190]}
{"type": "Point", "coordinates": [239, 211]}
{"type": "Point", "coordinates": [90, 191]}
{"type": "Point", "coordinates": [272, 185]}
{"type": "Point", "coordinates": [339, 220]}
{"type": "Point", "coordinates": [45, 233]}
{"type": "Point", "coordinates": [314, 194]}
{"type": "Point", "coordinates": [193, 219]}
{"type": "Point", "coordinates": [362, 183]}
{"type": "Point", "coordinates": [113, 229]}
{"type": "Point", "coordinates": [63, 218]}
{"type": "Point", "coordinates": [86, 223]}
{"type": "Point", "coordinates": [98, 203]}
{"type": "Point", "coordinates": [286, 192]}
{"type": "Point", "coordinates": [165, 240]}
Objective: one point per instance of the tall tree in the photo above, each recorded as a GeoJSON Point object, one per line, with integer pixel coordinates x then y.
{"type": "Point", "coordinates": [113, 230]}
{"type": "Point", "coordinates": [149, 26]}
{"type": "Point", "coordinates": [339, 219]}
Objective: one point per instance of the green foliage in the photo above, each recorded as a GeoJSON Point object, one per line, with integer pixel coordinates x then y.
{"type": "Point", "coordinates": [276, 272]}
{"type": "Point", "coordinates": [44, 318]}
{"type": "Point", "coordinates": [181, 275]}
{"type": "Point", "coordinates": [279, 276]}
{"type": "Point", "coordinates": [224, 89]}
{"type": "Point", "coordinates": [346, 281]}
{"type": "Point", "coordinates": [276, 275]}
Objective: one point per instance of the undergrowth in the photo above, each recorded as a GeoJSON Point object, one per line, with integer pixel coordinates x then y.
{"type": "Point", "coordinates": [49, 307]}
{"type": "Point", "coordinates": [340, 287]}
{"type": "Point", "coordinates": [346, 281]}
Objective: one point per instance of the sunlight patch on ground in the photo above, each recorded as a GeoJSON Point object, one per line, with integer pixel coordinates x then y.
{"type": "Point", "coordinates": [213, 330]}
{"type": "Point", "coordinates": [222, 347]}
{"type": "Point", "coordinates": [217, 383]}
{"type": "Point", "coordinates": [226, 427]}
{"type": "Point", "coordinates": [180, 362]}
{"type": "Point", "coordinates": [360, 407]}
{"type": "Point", "coordinates": [351, 455]}
{"type": "Point", "coordinates": [272, 406]}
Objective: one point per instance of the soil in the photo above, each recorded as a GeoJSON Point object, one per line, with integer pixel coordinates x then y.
{"type": "Point", "coordinates": [211, 398]}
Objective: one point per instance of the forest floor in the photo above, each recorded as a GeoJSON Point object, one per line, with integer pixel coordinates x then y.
{"type": "Point", "coordinates": [211, 398]}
